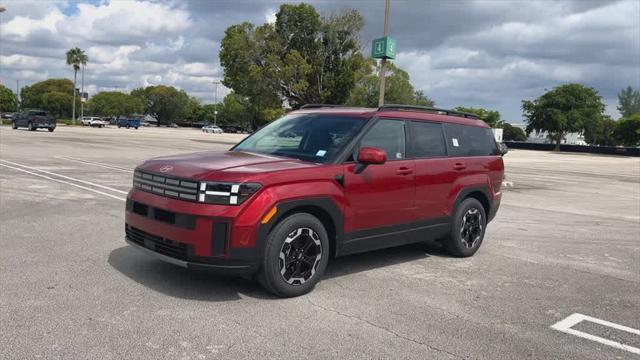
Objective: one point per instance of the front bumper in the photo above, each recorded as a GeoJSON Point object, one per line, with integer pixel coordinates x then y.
{"type": "Point", "coordinates": [190, 234]}
{"type": "Point", "coordinates": [218, 267]}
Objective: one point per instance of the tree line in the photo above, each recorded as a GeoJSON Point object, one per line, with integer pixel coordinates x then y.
{"type": "Point", "coordinates": [304, 58]}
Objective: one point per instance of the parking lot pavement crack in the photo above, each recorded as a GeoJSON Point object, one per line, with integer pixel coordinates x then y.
{"type": "Point", "coordinates": [385, 329]}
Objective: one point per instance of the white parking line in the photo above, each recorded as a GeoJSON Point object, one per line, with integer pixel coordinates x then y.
{"type": "Point", "coordinates": [566, 324]}
{"type": "Point", "coordinates": [113, 167]}
{"type": "Point", "coordinates": [66, 177]}
{"type": "Point", "coordinates": [64, 182]}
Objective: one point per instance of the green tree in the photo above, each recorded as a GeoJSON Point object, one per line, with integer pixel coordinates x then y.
{"type": "Point", "coordinates": [629, 102]}
{"type": "Point", "coordinates": [422, 100]}
{"type": "Point", "coordinates": [114, 103]}
{"type": "Point", "coordinates": [491, 117]}
{"type": "Point", "coordinates": [627, 131]}
{"type": "Point", "coordinates": [165, 103]}
{"type": "Point", "coordinates": [564, 109]}
{"type": "Point", "coordinates": [34, 96]}
{"type": "Point", "coordinates": [512, 133]}
{"type": "Point", "coordinates": [600, 131]}
{"type": "Point", "coordinates": [75, 58]}
{"type": "Point", "coordinates": [193, 110]}
{"type": "Point", "coordinates": [8, 101]}
{"type": "Point", "coordinates": [397, 89]}
{"type": "Point", "coordinates": [302, 58]}
{"type": "Point", "coordinates": [57, 103]}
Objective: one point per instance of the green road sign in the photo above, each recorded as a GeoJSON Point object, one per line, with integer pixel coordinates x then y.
{"type": "Point", "coordinates": [383, 48]}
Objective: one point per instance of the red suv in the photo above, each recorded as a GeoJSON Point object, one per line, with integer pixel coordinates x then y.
{"type": "Point", "coordinates": [320, 182]}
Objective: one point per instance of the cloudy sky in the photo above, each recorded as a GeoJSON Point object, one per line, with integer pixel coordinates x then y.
{"type": "Point", "coordinates": [491, 54]}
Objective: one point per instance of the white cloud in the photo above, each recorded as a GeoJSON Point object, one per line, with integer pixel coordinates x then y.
{"type": "Point", "coordinates": [477, 53]}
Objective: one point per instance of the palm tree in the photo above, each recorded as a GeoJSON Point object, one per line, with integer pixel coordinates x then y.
{"type": "Point", "coordinates": [75, 58]}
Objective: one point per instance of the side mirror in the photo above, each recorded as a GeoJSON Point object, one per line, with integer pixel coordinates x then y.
{"type": "Point", "coordinates": [503, 149]}
{"type": "Point", "coordinates": [370, 156]}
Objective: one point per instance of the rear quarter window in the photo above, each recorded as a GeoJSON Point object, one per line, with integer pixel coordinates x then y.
{"type": "Point", "coordinates": [465, 140]}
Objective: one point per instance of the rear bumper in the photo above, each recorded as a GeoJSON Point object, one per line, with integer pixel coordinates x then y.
{"type": "Point", "coordinates": [495, 205]}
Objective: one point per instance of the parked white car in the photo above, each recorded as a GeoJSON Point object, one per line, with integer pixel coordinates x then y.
{"type": "Point", "coordinates": [93, 121]}
{"type": "Point", "coordinates": [213, 129]}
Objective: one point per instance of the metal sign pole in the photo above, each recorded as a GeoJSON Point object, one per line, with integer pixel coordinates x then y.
{"type": "Point", "coordinates": [383, 63]}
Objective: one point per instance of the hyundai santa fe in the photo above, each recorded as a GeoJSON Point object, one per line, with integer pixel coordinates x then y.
{"type": "Point", "coordinates": [318, 183]}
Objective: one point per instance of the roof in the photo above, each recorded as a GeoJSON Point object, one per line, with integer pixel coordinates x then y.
{"type": "Point", "coordinates": [397, 112]}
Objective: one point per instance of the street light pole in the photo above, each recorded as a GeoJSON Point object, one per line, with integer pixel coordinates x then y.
{"type": "Point", "coordinates": [215, 104]}
{"type": "Point", "coordinates": [82, 93]}
{"type": "Point", "coordinates": [383, 63]}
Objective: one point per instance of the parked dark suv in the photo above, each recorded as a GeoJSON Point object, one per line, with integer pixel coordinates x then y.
{"type": "Point", "coordinates": [320, 182]}
{"type": "Point", "coordinates": [33, 120]}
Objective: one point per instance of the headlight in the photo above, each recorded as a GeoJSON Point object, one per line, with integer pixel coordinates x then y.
{"type": "Point", "coordinates": [226, 193]}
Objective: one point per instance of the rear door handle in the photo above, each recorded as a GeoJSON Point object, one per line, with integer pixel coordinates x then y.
{"type": "Point", "coordinates": [459, 166]}
{"type": "Point", "coordinates": [404, 171]}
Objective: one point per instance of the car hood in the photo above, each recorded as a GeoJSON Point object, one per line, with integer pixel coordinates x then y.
{"type": "Point", "coordinates": [202, 165]}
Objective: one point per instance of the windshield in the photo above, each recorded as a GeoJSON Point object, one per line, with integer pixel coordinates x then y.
{"type": "Point", "coordinates": [309, 137]}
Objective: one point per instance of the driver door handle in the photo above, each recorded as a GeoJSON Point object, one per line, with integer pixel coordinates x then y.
{"type": "Point", "coordinates": [404, 171]}
{"type": "Point", "coordinates": [459, 166]}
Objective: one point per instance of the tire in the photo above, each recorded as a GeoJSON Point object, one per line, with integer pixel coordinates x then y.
{"type": "Point", "coordinates": [30, 126]}
{"type": "Point", "coordinates": [51, 129]}
{"type": "Point", "coordinates": [288, 238]}
{"type": "Point", "coordinates": [468, 226]}
{"type": "Point", "coordinates": [14, 125]}
{"type": "Point", "coordinates": [136, 128]}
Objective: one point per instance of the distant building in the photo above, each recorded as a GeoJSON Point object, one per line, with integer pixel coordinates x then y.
{"type": "Point", "coordinates": [497, 133]}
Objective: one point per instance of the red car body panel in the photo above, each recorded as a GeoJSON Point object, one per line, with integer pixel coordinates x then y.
{"type": "Point", "coordinates": [394, 193]}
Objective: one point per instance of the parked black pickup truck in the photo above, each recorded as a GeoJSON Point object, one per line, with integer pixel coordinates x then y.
{"type": "Point", "coordinates": [33, 120]}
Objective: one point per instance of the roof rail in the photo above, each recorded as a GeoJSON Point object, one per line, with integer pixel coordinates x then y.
{"type": "Point", "coordinates": [315, 106]}
{"type": "Point", "coordinates": [428, 109]}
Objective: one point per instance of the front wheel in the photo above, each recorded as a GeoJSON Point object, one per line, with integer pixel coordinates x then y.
{"type": "Point", "coordinates": [30, 126]}
{"type": "Point", "coordinates": [467, 229]}
{"type": "Point", "coordinates": [51, 129]}
{"type": "Point", "coordinates": [296, 255]}
{"type": "Point", "coordinates": [14, 125]}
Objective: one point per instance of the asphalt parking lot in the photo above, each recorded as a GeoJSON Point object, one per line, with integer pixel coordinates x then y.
{"type": "Point", "coordinates": [566, 240]}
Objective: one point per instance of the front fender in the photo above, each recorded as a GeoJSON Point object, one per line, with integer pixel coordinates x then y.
{"type": "Point", "coordinates": [326, 195]}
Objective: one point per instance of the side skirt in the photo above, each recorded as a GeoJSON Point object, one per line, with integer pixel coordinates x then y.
{"type": "Point", "coordinates": [389, 236]}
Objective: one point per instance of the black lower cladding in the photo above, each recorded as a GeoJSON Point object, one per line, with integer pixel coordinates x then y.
{"type": "Point", "coordinates": [394, 235]}
{"type": "Point", "coordinates": [185, 252]}
{"type": "Point", "coordinates": [159, 244]}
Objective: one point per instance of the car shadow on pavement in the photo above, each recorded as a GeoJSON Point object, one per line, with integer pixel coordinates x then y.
{"type": "Point", "coordinates": [382, 258]}
{"type": "Point", "coordinates": [179, 282]}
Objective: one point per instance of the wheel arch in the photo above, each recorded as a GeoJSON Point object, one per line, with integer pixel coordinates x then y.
{"type": "Point", "coordinates": [322, 208]}
{"type": "Point", "coordinates": [479, 193]}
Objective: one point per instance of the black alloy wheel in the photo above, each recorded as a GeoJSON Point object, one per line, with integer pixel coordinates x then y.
{"type": "Point", "coordinates": [300, 256]}
{"type": "Point", "coordinates": [295, 256]}
{"type": "Point", "coordinates": [468, 226]}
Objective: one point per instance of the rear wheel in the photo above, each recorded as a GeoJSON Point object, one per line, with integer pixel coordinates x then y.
{"type": "Point", "coordinates": [467, 229]}
{"type": "Point", "coordinates": [295, 257]}
{"type": "Point", "coordinates": [30, 126]}
{"type": "Point", "coordinates": [51, 129]}
{"type": "Point", "coordinates": [14, 125]}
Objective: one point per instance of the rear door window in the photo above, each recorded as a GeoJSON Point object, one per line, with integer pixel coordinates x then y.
{"type": "Point", "coordinates": [465, 140]}
{"type": "Point", "coordinates": [427, 139]}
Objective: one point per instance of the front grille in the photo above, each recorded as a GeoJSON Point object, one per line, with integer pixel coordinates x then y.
{"type": "Point", "coordinates": [158, 244]}
{"type": "Point", "coordinates": [166, 186]}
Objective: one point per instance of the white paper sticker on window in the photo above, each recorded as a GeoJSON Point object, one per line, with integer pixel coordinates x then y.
{"type": "Point", "coordinates": [398, 155]}
{"type": "Point", "coordinates": [321, 152]}
{"type": "Point", "coordinates": [455, 142]}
